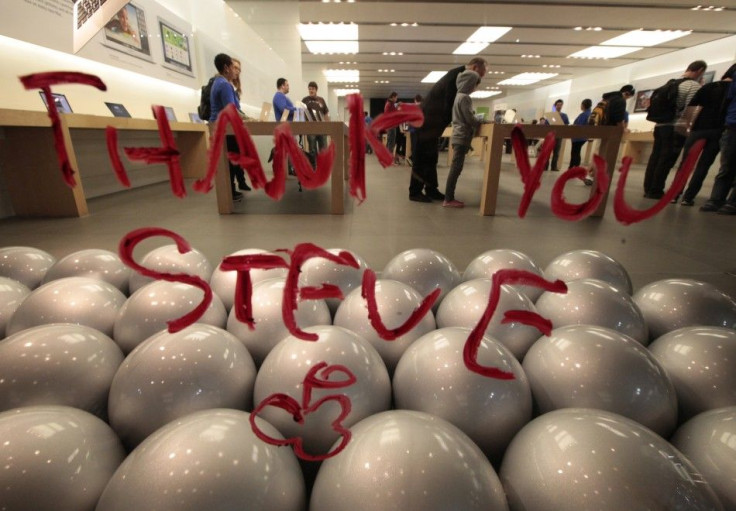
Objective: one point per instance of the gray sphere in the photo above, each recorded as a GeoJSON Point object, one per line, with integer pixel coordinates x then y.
{"type": "Point", "coordinates": [168, 259]}
{"type": "Point", "coordinates": [700, 362]}
{"type": "Point", "coordinates": [396, 301]}
{"type": "Point", "coordinates": [266, 300]}
{"type": "Point", "coordinates": [27, 265]}
{"type": "Point", "coordinates": [488, 263]}
{"type": "Point", "coordinates": [58, 364]}
{"type": "Point", "coordinates": [317, 271]}
{"type": "Point", "coordinates": [465, 304]}
{"type": "Point", "coordinates": [94, 263]}
{"type": "Point", "coordinates": [708, 441]}
{"type": "Point", "coordinates": [583, 366]}
{"type": "Point", "coordinates": [594, 302]}
{"type": "Point", "coordinates": [78, 300]}
{"type": "Point", "coordinates": [425, 270]}
{"type": "Point", "coordinates": [401, 460]}
{"type": "Point", "coordinates": [284, 370]}
{"type": "Point", "coordinates": [675, 303]}
{"type": "Point", "coordinates": [589, 264]}
{"type": "Point", "coordinates": [209, 460]}
{"type": "Point", "coordinates": [12, 293]}
{"type": "Point", "coordinates": [148, 310]}
{"type": "Point", "coordinates": [579, 458]}
{"type": "Point", "coordinates": [55, 458]}
{"type": "Point", "coordinates": [432, 377]}
{"type": "Point", "coordinates": [223, 282]}
{"type": "Point", "coordinates": [171, 375]}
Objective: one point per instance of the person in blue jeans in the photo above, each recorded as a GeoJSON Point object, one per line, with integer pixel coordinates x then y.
{"type": "Point", "coordinates": [577, 143]}
{"type": "Point", "coordinates": [723, 196]}
{"type": "Point", "coordinates": [464, 126]}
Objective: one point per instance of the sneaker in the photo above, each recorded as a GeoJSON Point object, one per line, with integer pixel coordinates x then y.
{"type": "Point", "coordinates": [654, 195]}
{"type": "Point", "coordinates": [588, 181]}
{"type": "Point", "coordinates": [728, 209]}
{"type": "Point", "coordinates": [453, 204]}
{"type": "Point", "coordinates": [709, 206]}
{"type": "Point", "coordinates": [237, 195]}
{"type": "Point", "coordinates": [244, 187]}
{"type": "Point", "coordinates": [420, 197]}
{"type": "Point", "coordinates": [435, 194]}
{"type": "Point", "coordinates": [687, 202]}
{"type": "Point", "coordinates": [675, 200]}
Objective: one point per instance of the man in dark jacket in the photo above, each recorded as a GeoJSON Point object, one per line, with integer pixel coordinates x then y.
{"type": "Point", "coordinates": [437, 108]}
{"type": "Point", "coordinates": [708, 126]}
{"type": "Point", "coordinates": [616, 109]}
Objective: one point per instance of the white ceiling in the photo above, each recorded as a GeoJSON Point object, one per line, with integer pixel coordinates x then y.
{"type": "Point", "coordinates": [541, 27]}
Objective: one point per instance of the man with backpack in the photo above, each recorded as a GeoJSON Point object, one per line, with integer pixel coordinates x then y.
{"type": "Point", "coordinates": [610, 111]}
{"type": "Point", "coordinates": [665, 107]}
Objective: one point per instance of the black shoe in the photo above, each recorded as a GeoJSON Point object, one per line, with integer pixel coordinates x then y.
{"type": "Point", "coordinates": [687, 202]}
{"type": "Point", "coordinates": [675, 200]}
{"type": "Point", "coordinates": [555, 170]}
{"type": "Point", "coordinates": [654, 195]}
{"type": "Point", "coordinates": [420, 197]}
{"type": "Point", "coordinates": [728, 209]}
{"type": "Point", "coordinates": [709, 206]}
{"type": "Point", "coordinates": [435, 194]}
{"type": "Point", "coordinates": [237, 196]}
{"type": "Point", "coordinates": [244, 187]}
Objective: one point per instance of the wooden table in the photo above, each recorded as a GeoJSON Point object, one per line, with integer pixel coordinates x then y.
{"type": "Point", "coordinates": [610, 137]}
{"type": "Point", "coordinates": [30, 165]}
{"type": "Point", "coordinates": [634, 144]}
{"type": "Point", "coordinates": [337, 131]}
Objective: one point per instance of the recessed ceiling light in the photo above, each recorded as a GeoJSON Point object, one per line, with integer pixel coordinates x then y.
{"type": "Point", "coordinates": [485, 93]}
{"type": "Point", "coordinates": [527, 78]}
{"type": "Point", "coordinates": [604, 52]}
{"type": "Point", "coordinates": [332, 47]}
{"type": "Point", "coordinates": [433, 76]}
{"type": "Point", "coordinates": [646, 38]}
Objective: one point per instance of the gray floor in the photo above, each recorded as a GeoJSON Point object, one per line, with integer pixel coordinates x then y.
{"type": "Point", "coordinates": [680, 242]}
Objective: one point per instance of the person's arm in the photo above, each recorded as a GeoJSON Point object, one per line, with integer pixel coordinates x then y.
{"type": "Point", "coordinates": [467, 115]}
{"type": "Point", "coordinates": [281, 103]}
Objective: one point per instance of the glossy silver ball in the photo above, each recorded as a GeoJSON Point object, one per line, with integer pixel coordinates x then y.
{"type": "Point", "coordinates": [700, 362]}
{"type": "Point", "coordinates": [168, 259]}
{"type": "Point", "coordinates": [12, 293]}
{"type": "Point", "coordinates": [285, 367]}
{"type": "Point", "coordinates": [401, 460]}
{"type": "Point", "coordinates": [55, 458]}
{"type": "Point", "coordinates": [594, 302]}
{"type": "Point", "coordinates": [589, 264]}
{"type": "Point", "coordinates": [579, 458]}
{"type": "Point", "coordinates": [708, 442]}
{"type": "Point", "coordinates": [94, 263]}
{"type": "Point", "coordinates": [432, 377]}
{"type": "Point", "coordinates": [317, 271]}
{"type": "Point", "coordinates": [396, 301]}
{"type": "Point", "coordinates": [466, 303]}
{"type": "Point", "coordinates": [425, 270]}
{"type": "Point", "coordinates": [675, 303]}
{"type": "Point", "coordinates": [488, 263]}
{"type": "Point", "coordinates": [208, 460]}
{"type": "Point", "coordinates": [223, 282]}
{"type": "Point", "coordinates": [27, 265]}
{"type": "Point", "coordinates": [583, 366]}
{"type": "Point", "coordinates": [171, 375]}
{"type": "Point", "coordinates": [78, 300]}
{"type": "Point", "coordinates": [269, 328]}
{"type": "Point", "coordinates": [148, 309]}
{"type": "Point", "coordinates": [58, 364]}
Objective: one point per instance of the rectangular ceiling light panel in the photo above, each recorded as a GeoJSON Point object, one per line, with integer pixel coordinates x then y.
{"type": "Point", "coordinates": [480, 39]}
{"type": "Point", "coordinates": [646, 38]}
{"type": "Point", "coordinates": [527, 78]}
{"type": "Point", "coordinates": [433, 76]}
{"type": "Point", "coordinates": [332, 47]}
{"type": "Point", "coordinates": [328, 31]}
{"type": "Point", "coordinates": [604, 52]}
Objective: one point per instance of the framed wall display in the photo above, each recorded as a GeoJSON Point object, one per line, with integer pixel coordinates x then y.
{"type": "Point", "coordinates": [127, 32]}
{"type": "Point", "coordinates": [170, 115]}
{"type": "Point", "coordinates": [62, 104]}
{"type": "Point", "coordinates": [177, 55]}
{"type": "Point", "coordinates": [118, 109]}
{"type": "Point", "coordinates": [90, 16]}
{"type": "Point", "coordinates": [642, 100]}
{"type": "Point", "coordinates": [708, 76]}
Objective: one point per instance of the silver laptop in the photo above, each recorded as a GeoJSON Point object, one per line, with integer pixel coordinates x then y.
{"type": "Point", "coordinates": [554, 118]}
{"type": "Point", "coordinates": [89, 16]}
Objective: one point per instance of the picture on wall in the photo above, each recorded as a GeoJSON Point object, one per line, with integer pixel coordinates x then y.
{"type": "Point", "coordinates": [177, 54]}
{"type": "Point", "coordinates": [127, 32]}
{"type": "Point", "coordinates": [642, 100]}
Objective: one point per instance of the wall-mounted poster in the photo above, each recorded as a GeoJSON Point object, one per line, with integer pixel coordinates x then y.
{"type": "Point", "coordinates": [89, 17]}
{"type": "Point", "coordinates": [176, 48]}
{"type": "Point", "coordinates": [127, 32]}
{"type": "Point", "coordinates": [642, 100]}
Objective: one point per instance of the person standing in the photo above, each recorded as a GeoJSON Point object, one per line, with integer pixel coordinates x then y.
{"type": "Point", "coordinates": [281, 102]}
{"type": "Point", "coordinates": [391, 106]}
{"type": "Point", "coordinates": [317, 111]}
{"type": "Point", "coordinates": [708, 126]}
{"type": "Point", "coordinates": [464, 126]}
{"type": "Point", "coordinates": [557, 107]}
{"type": "Point", "coordinates": [721, 200]}
{"type": "Point", "coordinates": [437, 108]}
{"type": "Point", "coordinates": [413, 132]}
{"type": "Point", "coordinates": [222, 94]}
{"type": "Point", "coordinates": [577, 143]}
{"type": "Point", "coordinates": [667, 143]}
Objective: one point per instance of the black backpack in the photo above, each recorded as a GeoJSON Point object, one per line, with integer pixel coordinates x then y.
{"type": "Point", "coordinates": [205, 108]}
{"type": "Point", "coordinates": [663, 102]}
